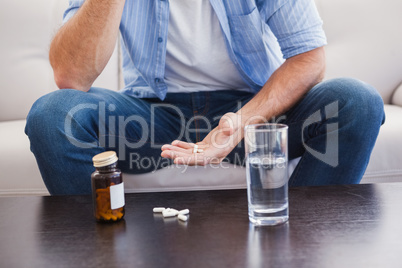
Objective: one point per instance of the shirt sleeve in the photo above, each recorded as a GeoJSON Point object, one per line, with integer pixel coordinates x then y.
{"type": "Point", "coordinates": [73, 6]}
{"type": "Point", "coordinates": [297, 26]}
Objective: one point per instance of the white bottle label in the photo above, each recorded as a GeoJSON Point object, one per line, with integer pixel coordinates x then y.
{"type": "Point", "coordinates": [117, 196]}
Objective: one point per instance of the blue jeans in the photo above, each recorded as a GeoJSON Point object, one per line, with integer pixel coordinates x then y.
{"type": "Point", "coordinates": [333, 129]}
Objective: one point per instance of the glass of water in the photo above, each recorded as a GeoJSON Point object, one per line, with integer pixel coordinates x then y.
{"type": "Point", "coordinates": [267, 173]}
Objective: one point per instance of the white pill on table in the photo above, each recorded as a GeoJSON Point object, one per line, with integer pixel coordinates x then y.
{"type": "Point", "coordinates": [169, 213]}
{"type": "Point", "coordinates": [174, 210]}
{"type": "Point", "coordinates": [184, 211]}
{"type": "Point", "coordinates": [158, 209]}
{"type": "Point", "coordinates": [182, 217]}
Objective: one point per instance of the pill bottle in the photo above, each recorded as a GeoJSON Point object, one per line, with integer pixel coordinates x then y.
{"type": "Point", "coordinates": [107, 188]}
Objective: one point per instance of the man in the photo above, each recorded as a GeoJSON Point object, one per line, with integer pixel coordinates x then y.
{"type": "Point", "coordinates": [198, 71]}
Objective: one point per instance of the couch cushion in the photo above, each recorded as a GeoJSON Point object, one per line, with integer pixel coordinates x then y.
{"type": "Point", "coordinates": [397, 97]}
{"type": "Point", "coordinates": [386, 158]}
{"type": "Point", "coordinates": [184, 178]}
{"type": "Point", "coordinates": [364, 41]}
{"type": "Point", "coordinates": [19, 172]}
{"type": "Point", "coordinates": [26, 29]}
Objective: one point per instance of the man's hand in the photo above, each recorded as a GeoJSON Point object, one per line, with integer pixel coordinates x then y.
{"type": "Point", "coordinates": [213, 149]}
{"type": "Point", "coordinates": [288, 84]}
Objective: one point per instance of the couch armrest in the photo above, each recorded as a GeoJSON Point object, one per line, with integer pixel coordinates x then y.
{"type": "Point", "coordinates": [397, 96]}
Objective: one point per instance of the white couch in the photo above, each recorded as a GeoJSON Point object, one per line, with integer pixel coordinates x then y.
{"type": "Point", "coordinates": [364, 42]}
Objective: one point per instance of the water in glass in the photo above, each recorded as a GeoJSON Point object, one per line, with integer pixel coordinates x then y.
{"type": "Point", "coordinates": [267, 180]}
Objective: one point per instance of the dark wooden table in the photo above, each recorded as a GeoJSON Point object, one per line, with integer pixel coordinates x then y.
{"type": "Point", "coordinates": [334, 226]}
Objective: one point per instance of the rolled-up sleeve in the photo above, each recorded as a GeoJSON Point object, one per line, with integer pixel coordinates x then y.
{"type": "Point", "coordinates": [297, 26]}
{"type": "Point", "coordinates": [73, 6]}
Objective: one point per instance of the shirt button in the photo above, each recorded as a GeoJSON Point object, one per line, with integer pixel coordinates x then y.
{"type": "Point", "coordinates": [160, 39]}
{"type": "Point", "coordinates": [157, 80]}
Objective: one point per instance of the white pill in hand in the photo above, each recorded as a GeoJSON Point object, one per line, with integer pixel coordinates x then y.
{"type": "Point", "coordinates": [184, 211]}
{"type": "Point", "coordinates": [158, 209]}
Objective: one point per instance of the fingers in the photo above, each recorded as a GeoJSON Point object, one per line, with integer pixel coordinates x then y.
{"type": "Point", "coordinates": [176, 148]}
{"type": "Point", "coordinates": [188, 145]}
{"type": "Point", "coordinates": [183, 153]}
{"type": "Point", "coordinates": [183, 144]}
{"type": "Point", "coordinates": [174, 152]}
{"type": "Point", "coordinates": [185, 158]}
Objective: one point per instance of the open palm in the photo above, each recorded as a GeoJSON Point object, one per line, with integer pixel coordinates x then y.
{"type": "Point", "coordinates": [213, 149]}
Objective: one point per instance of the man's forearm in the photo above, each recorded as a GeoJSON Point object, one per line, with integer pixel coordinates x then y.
{"type": "Point", "coordinates": [288, 84]}
{"type": "Point", "coordinates": [83, 46]}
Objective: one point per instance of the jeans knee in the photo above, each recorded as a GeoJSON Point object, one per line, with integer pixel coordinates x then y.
{"type": "Point", "coordinates": [365, 101]}
{"type": "Point", "coordinates": [49, 111]}
{"type": "Point", "coordinates": [361, 107]}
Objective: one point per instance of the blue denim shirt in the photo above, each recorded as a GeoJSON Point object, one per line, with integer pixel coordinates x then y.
{"type": "Point", "coordinates": [259, 34]}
